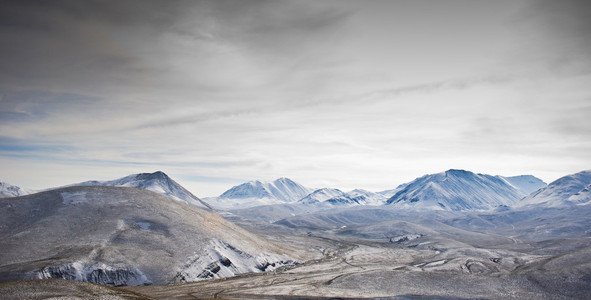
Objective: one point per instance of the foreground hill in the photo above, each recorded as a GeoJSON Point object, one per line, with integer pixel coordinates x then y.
{"type": "Point", "coordinates": [63, 289]}
{"type": "Point", "coordinates": [456, 190]}
{"type": "Point", "coordinates": [157, 182]}
{"type": "Point", "coordinates": [125, 236]}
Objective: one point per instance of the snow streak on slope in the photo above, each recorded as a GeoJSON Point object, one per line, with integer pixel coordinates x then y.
{"type": "Point", "coordinates": [568, 190]}
{"type": "Point", "coordinates": [364, 197]}
{"type": "Point", "coordinates": [156, 182]}
{"type": "Point", "coordinates": [221, 260]}
{"type": "Point", "coordinates": [456, 190]}
{"type": "Point", "coordinates": [256, 193]}
{"type": "Point", "coordinates": [8, 190]}
{"type": "Point", "coordinates": [526, 184]}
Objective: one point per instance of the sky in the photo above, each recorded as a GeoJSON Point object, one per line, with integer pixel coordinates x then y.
{"type": "Point", "coordinates": [345, 94]}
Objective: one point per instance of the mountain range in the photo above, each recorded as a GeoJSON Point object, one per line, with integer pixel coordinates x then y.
{"type": "Point", "coordinates": [452, 190]}
{"type": "Point", "coordinates": [457, 190]}
{"type": "Point", "coordinates": [127, 231]}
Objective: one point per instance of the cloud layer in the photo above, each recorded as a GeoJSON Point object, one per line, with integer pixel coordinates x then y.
{"type": "Point", "coordinates": [349, 94]}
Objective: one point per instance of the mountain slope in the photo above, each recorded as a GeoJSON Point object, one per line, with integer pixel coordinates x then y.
{"type": "Point", "coordinates": [568, 190]}
{"type": "Point", "coordinates": [8, 190]}
{"type": "Point", "coordinates": [156, 182]}
{"type": "Point", "coordinates": [455, 190]}
{"type": "Point", "coordinates": [320, 195]}
{"type": "Point", "coordinates": [255, 193]}
{"type": "Point", "coordinates": [335, 197]}
{"type": "Point", "coordinates": [366, 197]}
{"type": "Point", "coordinates": [526, 184]}
{"type": "Point", "coordinates": [125, 236]}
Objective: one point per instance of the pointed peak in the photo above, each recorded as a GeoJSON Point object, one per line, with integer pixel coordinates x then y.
{"type": "Point", "coordinates": [149, 176]}
{"type": "Point", "coordinates": [457, 171]}
{"type": "Point", "coordinates": [283, 180]}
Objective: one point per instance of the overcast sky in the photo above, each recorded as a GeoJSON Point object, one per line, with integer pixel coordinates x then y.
{"type": "Point", "coordinates": [346, 94]}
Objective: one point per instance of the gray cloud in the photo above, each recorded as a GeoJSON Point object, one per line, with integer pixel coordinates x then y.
{"type": "Point", "coordinates": [559, 35]}
{"type": "Point", "coordinates": [258, 89]}
{"type": "Point", "coordinates": [37, 105]}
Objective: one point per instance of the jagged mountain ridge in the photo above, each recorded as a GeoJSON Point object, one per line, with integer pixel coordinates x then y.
{"type": "Point", "coordinates": [157, 182]}
{"type": "Point", "coordinates": [336, 197]}
{"type": "Point", "coordinates": [125, 236]}
{"type": "Point", "coordinates": [9, 190]}
{"type": "Point", "coordinates": [456, 190]}
{"type": "Point", "coordinates": [320, 195]}
{"type": "Point", "coordinates": [568, 190]}
{"type": "Point", "coordinates": [258, 193]}
{"type": "Point", "coordinates": [283, 189]}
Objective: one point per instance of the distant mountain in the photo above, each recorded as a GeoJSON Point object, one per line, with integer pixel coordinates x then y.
{"type": "Point", "coordinates": [321, 195]}
{"type": "Point", "coordinates": [8, 190]}
{"type": "Point", "coordinates": [366, 197]}
{"type": "Point", "coordinates": [255, 193]}
{"type": "Point", "coordinates": [156, 182]}
{"type": "Point", "coordinates": [125, 236]}
{"type": "Point", "coordinates": [526, 184]}
{"type": "Point", "coordinates": [456, 190]}
{"type": "Point", "coordinates": [568, 190]}
{"type": "Point", "coordinates": [357, 197]}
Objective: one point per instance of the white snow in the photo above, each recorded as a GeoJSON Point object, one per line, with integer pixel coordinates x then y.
{"type": "Point", "coordinates": [456, 190]}
{"type": "Point", "coordinates": [101, 274]}
{"type": "Point", "coordinates": [156, 182]}
{"type": "Point", "coordinates": [220, 260]}
{"type": "Point", "coordinates": [73, 198]}
{"type": "Point", "coordinates": [9, 190]}
{"type": "Point", "coordinates": [526, 184]}
{"type": "Point", "coordinates": [572, 189]}
{"type": "Point", "coordinates": [321, 195]}
{"type": "Point", "coordinates": [257, 193]}
{"type": "Point", "coordinates": [435, 263]}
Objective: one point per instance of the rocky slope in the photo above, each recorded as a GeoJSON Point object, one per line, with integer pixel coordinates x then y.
{"type": "Point", "coordinates": [125, 236]}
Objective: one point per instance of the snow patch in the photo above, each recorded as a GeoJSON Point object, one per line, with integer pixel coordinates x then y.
{"type": "Point", "coordinates": [73, 198]}
{"type": "Point", "coordinates": [405, 238]}
{"type": "Point", "coordinates": [101, 274]}
{"type": "Point", "coordinates": [220, 260]}
{"type": "Point", "coordinates": [145, 226]}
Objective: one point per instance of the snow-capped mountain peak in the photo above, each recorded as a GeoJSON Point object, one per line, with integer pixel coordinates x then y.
{"type": "Point", "coordinates": [456, 190]}
{"type": "Point", "coordinates": [255, 193]}
{"type": "Point", "coordinates": [568, 190]}
{"type": "Point", "coordinates": [157, 182]}
{"type": "Point", "coordinates": [321, 195]}
{"type": "Point", "coordinates": [9, 190]}
{"type": "Point", "coordinates": [283, 189]}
